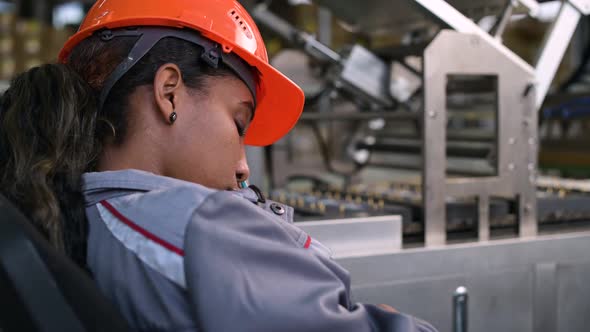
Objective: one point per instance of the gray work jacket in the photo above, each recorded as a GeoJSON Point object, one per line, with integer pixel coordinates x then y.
{"type": "Point", "coordinates": [176, 256]}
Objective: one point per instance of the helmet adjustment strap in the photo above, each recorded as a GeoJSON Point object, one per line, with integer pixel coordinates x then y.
{"type": "Point", "coordinates": [150, 36]}
{"type": "Point", "coordinates": [211, 56]}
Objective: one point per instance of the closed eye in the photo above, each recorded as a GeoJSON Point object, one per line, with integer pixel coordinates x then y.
{"type": "Point", "coordinates": [244, 117]}
{"type": "Point", "coordinates": [250, 106]}
{"type": "Point", "coordinates": [241, 129]}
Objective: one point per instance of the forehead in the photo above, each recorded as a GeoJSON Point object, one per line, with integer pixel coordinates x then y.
{"type": "Point", "coordinates": [229, 87]}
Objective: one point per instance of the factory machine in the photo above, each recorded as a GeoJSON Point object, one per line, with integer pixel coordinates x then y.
{"type": "Point", "coordinates": [440, 199]}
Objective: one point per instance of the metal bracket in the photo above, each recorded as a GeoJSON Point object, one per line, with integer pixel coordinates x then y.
{"type": "Point", "coordinates": [556, 43]}
{"type": "Point", "coordinates": [454, 19]}
{"type": "Point", "coordinates": [582, 5]}
{"type": "Point", "coordinates": [498, 30]}
{"type": "Point", "coordinates": [211, 56]}
{"type": "Point", "coordinates": [532, 6]}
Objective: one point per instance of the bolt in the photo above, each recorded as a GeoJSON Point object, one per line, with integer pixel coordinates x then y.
{"type": "Point", "coordinates": [532, 141]}
{"type": "Point", "coordinates": [528, 89]}
{"type": "Point", "coordinates": [432, 114]}
{"type": "Point", "coordinates": [511, 167]}
{"type": "Point", "coordinates": [512, 140]}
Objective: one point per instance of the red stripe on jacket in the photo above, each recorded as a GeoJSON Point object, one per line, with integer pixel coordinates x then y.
{"type": "Point", "coordinates": [307, 242]}
{"type": "Point", "coordinates": [141, 230]}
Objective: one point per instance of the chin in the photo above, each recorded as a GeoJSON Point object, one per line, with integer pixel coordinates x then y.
{"type": "Point", "coordinates": [215, 185]}
{"type": "Point", "coordinates": [224, 187]}
{"type": "Point", "coordinates": [232, 187]}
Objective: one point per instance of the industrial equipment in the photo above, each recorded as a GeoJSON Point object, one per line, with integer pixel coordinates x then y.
{"type": "Point", "coordinates": [416, 160]}
{"type": "Point", "coordinates": [459, 109]}
{"type": "Point", "coordinates": [484, 72]}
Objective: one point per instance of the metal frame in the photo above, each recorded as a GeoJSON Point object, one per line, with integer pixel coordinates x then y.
{"type": "Point", "coordinates": [556, 44]}
{"type": "Point", "coordinates": [521, 91]}
{"type": "Point", "coordinates": [531, 283]}
{"type": "Point", "coordinates": [517, 141]}
{"type": "Point", "coordinates": [455, 20]}
{"type": "Point", "coordinates": [468, 49]}
{"type": "Point", "coordinates": [532, 6]}
{"type": "Point", "coordinates": [553, 50]}
{"type": "Point", "coordinates": [582, 5]}
{"type": "Point", "coordinates": [381, 17]}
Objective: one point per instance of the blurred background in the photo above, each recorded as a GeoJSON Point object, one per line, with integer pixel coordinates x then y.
{"type": "Point", "coordinates": [430, 129]}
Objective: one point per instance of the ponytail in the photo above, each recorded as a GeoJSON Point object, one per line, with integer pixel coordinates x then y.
{"type": "Point", "coordinates": [47, 140]}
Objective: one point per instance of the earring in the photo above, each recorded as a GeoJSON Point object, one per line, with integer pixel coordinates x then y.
{"type": "Point", "coordinates": [173, 117]}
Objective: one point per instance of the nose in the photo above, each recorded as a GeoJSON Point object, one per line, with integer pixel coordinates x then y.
{"type": "Point", "coordinates": [242, 170]}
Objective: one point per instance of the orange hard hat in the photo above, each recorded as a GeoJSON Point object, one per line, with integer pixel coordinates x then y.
{"type": "Point", "coordinates": [279, 101]}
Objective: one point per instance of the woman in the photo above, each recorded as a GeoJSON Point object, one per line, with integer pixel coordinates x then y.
{"type": "Point", "coordinates": [172, 240]}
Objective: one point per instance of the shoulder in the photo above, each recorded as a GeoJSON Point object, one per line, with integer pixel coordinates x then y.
{"type": "Point", "coordinates": [164, 212]}
{"type": "Point", "coordinates": [148, 226]}
{"type": "Point", "coordinates": [232, 218]}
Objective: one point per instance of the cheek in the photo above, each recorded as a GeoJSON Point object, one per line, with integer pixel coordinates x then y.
{"type": "Point", "coordinates": [215, 146]}
{"type": "Point", "coordinates": [219, 135]}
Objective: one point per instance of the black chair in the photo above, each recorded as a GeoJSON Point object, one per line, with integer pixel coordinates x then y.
{"type": "Point", "coordinates": [41, 289]}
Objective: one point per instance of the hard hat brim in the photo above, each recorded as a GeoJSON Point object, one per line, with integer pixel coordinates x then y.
{"type": "Point", "coordinates": [280, 104]}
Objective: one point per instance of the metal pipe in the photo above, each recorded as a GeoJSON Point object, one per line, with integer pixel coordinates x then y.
{"type": "Point", "coordinates": [288, 32]}
{"type": "Point", "coordinates": [554, 48]}
{"type": "Point", "coordinates": [449, 16]}
{"type": "Point", "coordinates": [454, 148]}
{"type": "Point", "coordinates": [498, 29]}
{"type": "Point", "coordinates": [279, 26]}
{"type": "Point", "coordinates": [333, 116]}
{"type": "Point", "coordinates": [455, 165]}
{"type": "Point", "coordinates": [460, 299]}
{"type": "Point", "coordinates": [465, 135]}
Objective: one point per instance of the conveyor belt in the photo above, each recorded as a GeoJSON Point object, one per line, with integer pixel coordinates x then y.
{"type": "Point", "coordinates": [560, 202]}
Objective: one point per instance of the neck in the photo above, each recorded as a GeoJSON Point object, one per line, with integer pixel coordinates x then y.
{"type": "Point", "coordinates": [129, 155]}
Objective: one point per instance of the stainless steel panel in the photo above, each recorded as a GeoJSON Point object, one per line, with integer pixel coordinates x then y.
{"type": "Point", "coordinates": [501, 300]}
{"type": "Point", "coordinates": [495, 255]}
{"type": "Point", "coordinates": [545, 299]}
{"type": "Point", "coordinates": [573, 294]}
{"type": "Point", "coordinates": [364, 236]}
{"type": "Point", "coordinates": [453, 53]}
{"type": "Point", "coordinates": [409, 296]}
{"type": "Point", "coordinates": [511, 284]}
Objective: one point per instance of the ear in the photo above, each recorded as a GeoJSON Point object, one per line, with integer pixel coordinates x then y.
{"type": "Point", "coordinates": [167, 86]}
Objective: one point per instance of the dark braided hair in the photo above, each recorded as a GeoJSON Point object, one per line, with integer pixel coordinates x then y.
{"type": "Point", "coordinates": [47, 141]}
